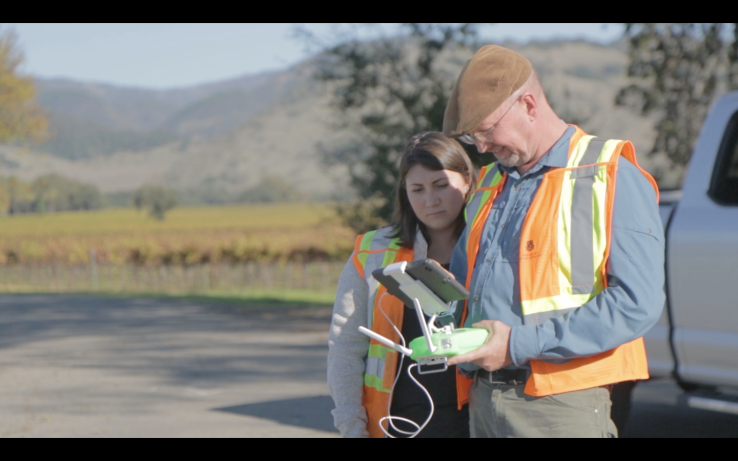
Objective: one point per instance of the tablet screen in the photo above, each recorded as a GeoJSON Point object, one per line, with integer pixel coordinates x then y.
{"type": "Point", "coordinates": [432, 274]}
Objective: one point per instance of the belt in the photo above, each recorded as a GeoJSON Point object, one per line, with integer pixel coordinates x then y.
{"type": "Point", "coordinates": [509, 377]}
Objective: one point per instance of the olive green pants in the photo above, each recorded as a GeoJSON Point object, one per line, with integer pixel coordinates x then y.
{"type": "Point", "coordinates": [504, 411]}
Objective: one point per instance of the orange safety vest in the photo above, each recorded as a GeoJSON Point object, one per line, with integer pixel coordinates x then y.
{"type": "Point", "coordinates": [376, 250]}
{"type": "Point", "coordinates": [564, 248]}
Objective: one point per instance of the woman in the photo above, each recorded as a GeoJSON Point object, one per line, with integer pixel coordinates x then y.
{"type": "Point", "coordinates": [436, 178]}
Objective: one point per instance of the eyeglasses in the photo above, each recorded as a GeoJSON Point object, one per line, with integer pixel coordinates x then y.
{"type": "Point", "coordinates": [484, 137]}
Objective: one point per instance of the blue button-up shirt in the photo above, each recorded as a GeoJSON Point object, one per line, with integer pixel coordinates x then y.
{"type": "Point", "coordinates": [624, 311]}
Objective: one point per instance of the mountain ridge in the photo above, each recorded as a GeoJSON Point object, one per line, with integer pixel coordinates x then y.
{"type": "Point", "coordinates": [232, 133]}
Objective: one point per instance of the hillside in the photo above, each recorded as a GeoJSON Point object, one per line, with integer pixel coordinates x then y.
{"type": "Point", "coordinates": [228, 135]}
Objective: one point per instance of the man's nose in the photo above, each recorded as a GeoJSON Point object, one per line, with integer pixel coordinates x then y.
{"type": "Point", "coordinates": [481, 146]}
{"type": "Point", "coordinates": [488, 147]}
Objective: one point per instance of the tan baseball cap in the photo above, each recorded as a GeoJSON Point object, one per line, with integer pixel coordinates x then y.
{"type": "Point", "coordinates": [485, 82]}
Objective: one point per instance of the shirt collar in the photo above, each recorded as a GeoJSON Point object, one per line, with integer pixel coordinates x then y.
{"type": "Point", "coordinates": [557, 156]}
{"type": "Point", "coordinates": [420, 249]}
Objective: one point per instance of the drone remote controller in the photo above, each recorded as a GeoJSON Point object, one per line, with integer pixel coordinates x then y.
{"type": "Point", "coordinates": [433, 349]}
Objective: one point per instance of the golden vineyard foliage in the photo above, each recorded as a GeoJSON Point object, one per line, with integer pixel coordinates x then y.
{"type": "Point", "coordinates": [20, 117]}
{"type": "Point", "coordinates": [189, 236]}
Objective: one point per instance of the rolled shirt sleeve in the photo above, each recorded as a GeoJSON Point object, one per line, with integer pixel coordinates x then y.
{"type": "Point", "coordinates": [634, 298]}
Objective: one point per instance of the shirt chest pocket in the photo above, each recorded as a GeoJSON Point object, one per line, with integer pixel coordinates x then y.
{"type": "Point", "coordinates": [505, 228]}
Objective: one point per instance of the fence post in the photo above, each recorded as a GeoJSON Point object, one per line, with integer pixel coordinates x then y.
{"type": "Point", "coordinates": [326, 284]}
{"type": "Point", "coordinates": [205, 278]}
{"type": "Point", "coordinates": [93, 269]}
{"type": "Point", "coordinates": [251, 281]}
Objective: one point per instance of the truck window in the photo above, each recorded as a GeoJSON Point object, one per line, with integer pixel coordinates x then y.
{"type": "Point", "coordinates": [724, 187]}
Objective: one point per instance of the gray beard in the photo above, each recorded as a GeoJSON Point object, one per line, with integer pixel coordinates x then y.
{"type": "Point", "coordinates": [510, 162]}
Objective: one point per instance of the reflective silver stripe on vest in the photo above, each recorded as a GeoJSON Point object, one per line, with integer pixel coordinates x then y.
{"type": "Point", "coordinates": [489, 176]}
{"type": "Point", "coordinates": [375, 366]}
{"type": "Point", "coordinates": [476, 200]}
{"type": "Point", "coordinates": [374, 261]}
{"type": "Point", "coordinates": [541, 317]}
{"type": "Point", "coordinates": [582, 251]}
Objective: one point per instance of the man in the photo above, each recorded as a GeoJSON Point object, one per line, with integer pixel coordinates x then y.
{"type": "Point", "coordinates": [564, 269]}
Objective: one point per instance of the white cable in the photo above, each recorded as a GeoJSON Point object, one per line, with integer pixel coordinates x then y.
{"type": "Point", "coordinates": [397, 377]}
{"type": "Point", "coordinates": [391, 419]}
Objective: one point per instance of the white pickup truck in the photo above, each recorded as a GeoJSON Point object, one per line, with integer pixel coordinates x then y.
{"type": "Point", "coordinates": [696, 339]}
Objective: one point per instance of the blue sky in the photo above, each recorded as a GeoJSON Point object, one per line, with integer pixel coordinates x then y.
{"type": "Point", "coordinates": [177, 55]}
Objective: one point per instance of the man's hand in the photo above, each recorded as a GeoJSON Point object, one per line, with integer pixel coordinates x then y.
{"type": "Point", "coordinates": [495, 353]}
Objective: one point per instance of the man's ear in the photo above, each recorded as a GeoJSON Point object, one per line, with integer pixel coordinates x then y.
{"type": "Point", "coordinates": [531, 106]}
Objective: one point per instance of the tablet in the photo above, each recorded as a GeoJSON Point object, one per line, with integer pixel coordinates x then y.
{"type": "Point", "coordinates": [431, 274]}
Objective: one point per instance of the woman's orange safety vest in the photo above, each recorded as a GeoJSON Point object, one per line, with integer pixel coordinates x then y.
{"type": "Point", "coordinates": [564, 248]}
{"type": "Point", "coordinates": [376, 250]}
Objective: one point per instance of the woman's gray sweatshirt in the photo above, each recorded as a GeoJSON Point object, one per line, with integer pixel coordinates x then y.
{"type": "Point", "coordinates": [347, 347]}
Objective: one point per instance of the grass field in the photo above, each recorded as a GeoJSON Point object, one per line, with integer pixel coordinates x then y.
{"type": "Point", "coordinates": [130, 221]}
{"type": "Point", "coordinates": [300, 232]}
{"type": "Point", "coordinates": [270, 297]}
{"type": "Point", "coordinates": [250, 297]}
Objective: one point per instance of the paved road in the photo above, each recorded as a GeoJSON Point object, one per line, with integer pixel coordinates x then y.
{"type": "Point", "coordinates": [659, 411]}
{"type": "Point", "coordinates": [116, 367]}
{"type": "Point", "coordinates": [111, 367]}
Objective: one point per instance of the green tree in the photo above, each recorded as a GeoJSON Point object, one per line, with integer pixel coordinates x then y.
{"type": "Point", "coordinates": [20, 117]}
{"type": "Point", "coordinates": [677, 70]}
{"type": "Point", "coordinates": [384, 91]}
{"type": "Point", "coordinates": [57, 193]}
{"type": "Point", "coordinates": [87, 197]}
{"type": "Point", "coordinates": [22, 196]}
{"type": "Point", "coordinates": [41, 188]}
{"type": "Point", "coordinates": [271, 189]}
{"type": "Point", "coordinates": [156, 199]}
{"type": "Point", "coordinates": [4, 196]}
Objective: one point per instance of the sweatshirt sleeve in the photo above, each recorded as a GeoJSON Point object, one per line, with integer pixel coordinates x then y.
{"type": "Point", "coordinates": [347, 349]}
{"type": "Point", "coordinates": [634, 298]}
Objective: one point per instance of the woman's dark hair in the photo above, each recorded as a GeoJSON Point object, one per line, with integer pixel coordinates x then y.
{"type": "Point", "coordinates": [436, 152]}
